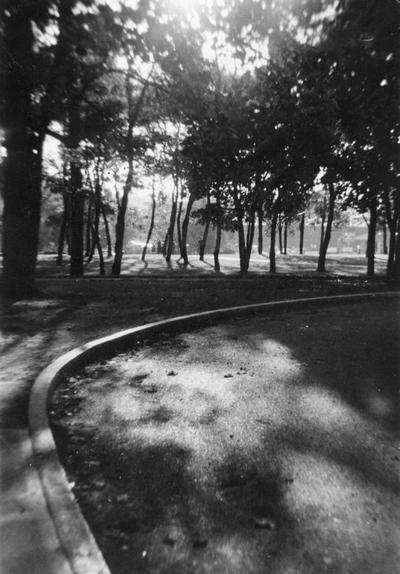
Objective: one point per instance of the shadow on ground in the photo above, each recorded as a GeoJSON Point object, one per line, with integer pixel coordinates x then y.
{"type": "Point", "coordinates": [263, 445]}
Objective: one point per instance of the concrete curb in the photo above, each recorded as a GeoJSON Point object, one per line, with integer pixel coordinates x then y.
{"type": "Point", "coordinates": [74, 534]}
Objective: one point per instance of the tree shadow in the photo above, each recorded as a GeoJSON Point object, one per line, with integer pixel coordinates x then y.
{"type": "Point", "coordinates": [175, 513]}
{"type": "Point", "coordinates": [351, 351]}
{"type": "Point", "coordinates": [237, 511]}
{"type": "Point", "coordinates": [31, 323]}
{"type": "Point", "coordinates": [29, 330]}
{"type": "Point", "coordinates": [207, 263]}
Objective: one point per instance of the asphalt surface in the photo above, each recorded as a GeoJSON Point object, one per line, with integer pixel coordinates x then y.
{"type": "Point", "coordinates": [34, 333]}
{"type": "Point", "coordinates": [259, 445]}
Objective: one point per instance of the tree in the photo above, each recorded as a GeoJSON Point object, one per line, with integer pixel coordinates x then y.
{"type": "Point", "coordinates": [22, 170]}
{"type": "Point", "coordinates": [42, 73]}
{"type": "Point", "coordinates": [363, 41]}
{"type": "Point", "coordinates": [133, 110]}
{"type": "Point", "coordinates": [326, 211]}
{"type": "Point", "coordinates": [91, 46]}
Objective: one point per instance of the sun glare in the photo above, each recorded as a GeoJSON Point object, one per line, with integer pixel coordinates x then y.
{"type": "Point", "coordinates": [181, 4]}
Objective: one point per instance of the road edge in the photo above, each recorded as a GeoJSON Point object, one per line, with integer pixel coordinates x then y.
{"type": "Point", "coordinates": [75, 536]}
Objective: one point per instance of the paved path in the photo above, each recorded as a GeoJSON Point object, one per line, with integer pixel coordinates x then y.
{"type": "Point", "coordinates": [260, 445]}
{"type": "Point", "coordinates": [29, 543]}
{"type": "Point", "coordinates": [28, 540]}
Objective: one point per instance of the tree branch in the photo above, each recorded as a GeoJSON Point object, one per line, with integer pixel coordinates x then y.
{"type": "Point", "coordinates": [55, 135]}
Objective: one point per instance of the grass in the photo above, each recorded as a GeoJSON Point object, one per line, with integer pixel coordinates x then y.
{"type": "Point", "coordinates": [293, 264]}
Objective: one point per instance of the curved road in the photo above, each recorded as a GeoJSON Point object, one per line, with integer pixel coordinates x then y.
{"type": "Point", "coordinates": [259, 445]}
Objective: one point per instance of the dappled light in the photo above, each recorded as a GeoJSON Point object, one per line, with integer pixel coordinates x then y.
{"type": "Point", "coordinates": [183, 128]}
{"type": "Point", "coordinates": [236, 441]}
{"type": "Point", "coordinates": [173, 174]}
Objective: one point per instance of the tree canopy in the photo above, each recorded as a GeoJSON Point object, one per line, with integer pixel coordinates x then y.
{"type": "Point", "coordinates": [251, 102]}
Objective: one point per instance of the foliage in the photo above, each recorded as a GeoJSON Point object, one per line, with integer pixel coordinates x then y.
{"type": "Point", "coordinates": [244, 102]}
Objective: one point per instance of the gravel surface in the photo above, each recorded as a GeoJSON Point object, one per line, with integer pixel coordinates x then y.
{"type": "Point", "coordinates": [259, 445]}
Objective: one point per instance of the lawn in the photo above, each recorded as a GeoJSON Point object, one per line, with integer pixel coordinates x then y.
{"type": "Point", "coordinates": [337, 264]}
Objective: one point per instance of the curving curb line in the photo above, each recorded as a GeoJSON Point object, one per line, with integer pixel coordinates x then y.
{"type": "Point", "coordinates": [75, 536]}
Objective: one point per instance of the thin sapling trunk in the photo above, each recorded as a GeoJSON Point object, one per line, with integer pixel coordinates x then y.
{"type": "Point", "coordinates": [185, 227]}
{"type": "Point", "coordinates": [302, 225]}
{"type": "Point", "coordinates": [203, 240]}
{"type": "Point", "coordinates": [272, 257]}
{"type": "Point", "coordinates": [260, 230]}
{"type": "Point", "coordinates": [326, 233]}
{"type": "Point", "coordinates": [372, 237]}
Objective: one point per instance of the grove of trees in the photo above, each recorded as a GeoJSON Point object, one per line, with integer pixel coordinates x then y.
{"type": "Point", "coordinates": [245, 106]}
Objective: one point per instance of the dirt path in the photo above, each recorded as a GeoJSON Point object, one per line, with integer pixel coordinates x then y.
{"type": "Point", "coordinates": [263, 445]}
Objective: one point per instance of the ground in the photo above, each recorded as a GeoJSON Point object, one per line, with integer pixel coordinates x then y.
{"type": "Point", "coordinates": [345, 264]}
{"type": "Point", "coordinates": [259, 444]}
{"type": "Point", "coordinates": [72, 311]}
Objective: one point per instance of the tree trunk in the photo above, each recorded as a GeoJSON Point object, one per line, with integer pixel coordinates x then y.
{"type": "Point", "coordinates": [390, 218]}
{"type": "Point", "coordinates": [97, 245]}
{"type": "Point", "coordinates": [101, 256]}
{"type": "Point", "coordinates": [393, 222]}
{"type": "Point", "coordinates": [260, 230]}
{"type": "Point", "coordinates": [241, 234]}
{"type": "Point", "coordinates": [322, 233]}
{"type": "Point", "coordinates": [99, 250]}
{"type": "Point", "coordinates": [185, 227]}
{"type": "Point", "coordinates": [218, 236]}
{"type": "Point", "coordinates": [242, 248]}
{"type": "Point", "coordinates": [302, 225]}
{"type": "Point", "coordinates": [22, 165]}
{"type": "Point", "coordinates": [89, 235]}
{"type": "Point", "coordinates": [285, 234]}
{"type": "Point", "coordinates": [371, 237]}
{"type": "Point", "coordinates": [392, 248]}
{"type": "Point", "coordinates": [272, 258]}
{"type": "Point", "coordinates": [151, 227]}
{"type": "Point", "coordinates": [178, 225]}
{"type": "Point", "coordinates": [384, 239]}
{"type": "Point", "coordinates": [96, 224]}
{"type": "Point", "coordinates": [169, 247]}
{"type": "Point", "coordinates": [250, 239]}
{"type": "Point", "coordinates": [203, 241]}
{"type": "Point", "coordinates": [63, 231]}
{"type": "Point", "coordinates": [326, 236]}
{"type": "Point", "coordinates": [280, 235]}
{"type": "Point", "coordinates": [120, 224]}
{"type": "Point", "coordinates": [133, 114]}
{"type": "Point", "coordinates": [107, 230]}
{"type": "Point", "coordinates": [395, 275]}
{"type": "Point", "coordinates": [93, 232]}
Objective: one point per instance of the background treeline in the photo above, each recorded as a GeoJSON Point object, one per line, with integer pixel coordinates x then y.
{"type": "Point", "coordinates": [243, 114]}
